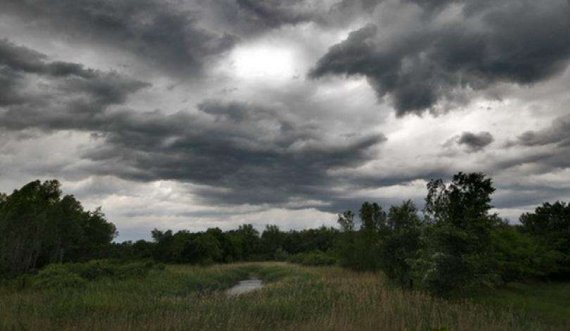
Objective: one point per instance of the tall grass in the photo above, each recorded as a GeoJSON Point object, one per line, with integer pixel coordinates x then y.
{"type": "Point", "coordinates": [295, 298]}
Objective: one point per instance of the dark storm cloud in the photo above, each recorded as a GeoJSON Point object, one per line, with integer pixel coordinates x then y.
{"type": "Point", "coordinates": [368, 6]}
{"type": "Point", "coordinates": [474, 142]}
{"type": "Point", "coordinates": [246, 153]}
{"type": "Point", "coordinates": [20, 59]}
{"type": "Point", "coordinates": [163, 35]}
{"type": "Point", "coordinates": [548, 148]}
{"type": "Point", "coordinates": [558, 133]}
{"type": "Point", "coordinates": [433, 4]}
{"type": "Point", "coordinates": [273, 13]}
{"type": "Point", "coordinates": [252, 17]}
{"type": "Point", "coordinates": [48, 95]}
{"type": "Point", "coordinates": [519, 196]}
{"type": "Point", "coordinates": [521, 42]}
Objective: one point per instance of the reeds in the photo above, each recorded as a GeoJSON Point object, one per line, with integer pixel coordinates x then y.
{"type": "Point", "coordinates": [296, 298]}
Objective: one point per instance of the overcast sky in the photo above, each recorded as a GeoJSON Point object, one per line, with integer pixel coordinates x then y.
{"type": "Point", "coordinates": [191, 114]}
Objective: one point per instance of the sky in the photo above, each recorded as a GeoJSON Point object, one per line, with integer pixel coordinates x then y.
{"type": "Point", "coordinates": [190, 114]}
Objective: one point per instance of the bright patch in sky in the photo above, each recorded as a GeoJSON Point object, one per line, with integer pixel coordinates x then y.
{"type": "Point", "coordinates": [263, 62]}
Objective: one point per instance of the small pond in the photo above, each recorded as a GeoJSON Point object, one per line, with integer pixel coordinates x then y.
{"type": "Point", "coordinates": [245, 286]}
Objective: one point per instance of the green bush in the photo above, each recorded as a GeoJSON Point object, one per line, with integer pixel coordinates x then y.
{"type": "Point", "coordinates": [93, 269]}
{"type": "Point", "coordinates": [78, 274]}
{"type": "Point", "coordinates": [97, 269]}
{"type": "Point", "coordinates": [57, 276]}
{"type": "Point", "coordinates": [316, 258]}
{"type": "Point", "coordinates": [280, 255]}
{"type": "Point", "coordinates": [112, 269]}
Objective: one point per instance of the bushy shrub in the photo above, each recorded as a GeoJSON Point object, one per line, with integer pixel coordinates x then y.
{"type": "Point", "coordinates": [316, 258]}
{"type": "Point", "coordinates": [78, 274]}
{"type": "Point", "coordinates": [281, 255]}
{"type": "Point", "coordinates": [114, 269]}
{"type": "Point", "coordinates": [518, 256]}
{"type": "Point", "coordinates": [57, 276]}
{"type": "Point", "coordinates": [93, 269]}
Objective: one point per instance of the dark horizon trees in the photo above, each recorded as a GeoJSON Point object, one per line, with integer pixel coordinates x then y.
{"type": "Point", "coordinates": [242, 244]}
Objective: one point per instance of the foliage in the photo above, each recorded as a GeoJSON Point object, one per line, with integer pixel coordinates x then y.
{"type": "Point", "coordinates": [243, 244]}
{"type": "Point", "coordinates": [456, 253]}
{"type": "Point", "coordinates": [97, 269]}
{"type": "Point", "coordinates": [360, 249]}
{"type": "Point", "coordinates": [77, 275]}
{"type": "Point", "coordinates": [57, 276]}
{"type": "Point", "coordinates": [458, 245]}
{"type": "Point", "coordinates": [550, 225]}
{"type": "Point", "coordinates": [519, 257]}
{"type": "Point", "coordinates": [402, 242]}
{"type": "Point", "coordinates": [39, 227]}
{"type": "Point", "coordinates": [315, 258]}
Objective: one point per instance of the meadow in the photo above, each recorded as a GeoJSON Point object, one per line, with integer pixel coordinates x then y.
{"type": "Point", "coordinates": [184, 297]}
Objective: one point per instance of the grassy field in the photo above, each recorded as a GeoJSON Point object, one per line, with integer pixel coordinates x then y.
{"type": "Point", "coordinates": [296, 298]}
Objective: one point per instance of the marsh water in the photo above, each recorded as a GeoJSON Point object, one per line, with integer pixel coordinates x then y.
{"type": "Point", "coordinates": [245, 286]}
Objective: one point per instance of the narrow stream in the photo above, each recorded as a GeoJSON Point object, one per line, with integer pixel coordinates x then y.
{"type": "Point", "coordinates": [245, 286]}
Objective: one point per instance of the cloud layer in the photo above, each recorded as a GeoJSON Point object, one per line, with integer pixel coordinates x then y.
{"type": "Point", "coordinates": [195, 113]}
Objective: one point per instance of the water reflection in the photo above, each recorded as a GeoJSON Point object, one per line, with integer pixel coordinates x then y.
{"type": "Point", "coordinates": [245, 286]}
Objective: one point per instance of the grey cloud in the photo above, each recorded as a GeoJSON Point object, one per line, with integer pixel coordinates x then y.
{"type": "Point", "coordinates": [273, 13]}
{"type": "Point", "coordinates": [558, 133]}
{"type": "Point", "coordinates": [239, 152]}
{"type": "Point", "coordinates": [54, 95]}
{"type": "Point", "coordinates": [520, 42]}
{"type": "Point", "coordinates": [368, 6]}
{"type": "Point", "coordinates": [158, 32]}
{"type": "Point", "coordinates": [516, 196]}
{"type": "Point", "coordinates": [545, 149]}
{"type": "Point", "coordinates": [432, 4]}
{"type": "Point", "coordinates": [247, 18]}
{"type": "Point", "coordinates": [245, 153]}
{"type": "Point", "coordinates": [474, 142]}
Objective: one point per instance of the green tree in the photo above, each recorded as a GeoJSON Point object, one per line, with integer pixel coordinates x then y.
{"type": "Point", "coordinates": [38, 227]}
{"type": "Point", "coordinates": [369, 239]}
{"type": "Point", "coordinates": [347, 241]}
{"type": "Point", "coordinates": [164, 246]}
{"type": "Point", "coordinates": [550, 225]}
{"type": "Point", "coordinates": [248, 239]}
{"type": "Point", "coordinates": [202, 248]}
{"type": "Point", "coordinates": [457, 251]}
{"type": "Point", "coordinates": [346, 221]}
{"type": "Point", "coordinates": [402, 243]}
{"type": "Point", "coordinates": [361, 249]}
{"type": "Point", "coordinates": [519, 256]}
{"type": "Point", "coordinates": [272, 241]}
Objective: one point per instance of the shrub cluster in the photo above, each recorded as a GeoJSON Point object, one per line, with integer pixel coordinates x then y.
{"type": "Point", "coordinates": [78, 274]}
{"type": "Point", "coordinates": [314, 258]}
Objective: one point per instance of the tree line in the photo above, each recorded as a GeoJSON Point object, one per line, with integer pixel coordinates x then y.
{"type": "Point", "coordinates": [456, 244]}
{"type": "Point", "coordinates": [453, 245]}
